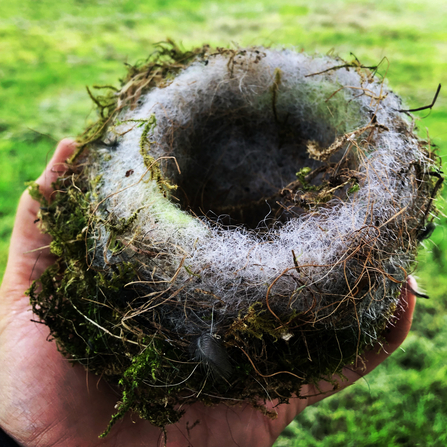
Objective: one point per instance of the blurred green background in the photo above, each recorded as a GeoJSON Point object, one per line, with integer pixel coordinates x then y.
{"type": "Point", "coordinates": [50, 50]}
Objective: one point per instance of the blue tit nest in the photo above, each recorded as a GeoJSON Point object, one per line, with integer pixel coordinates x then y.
{"type": "Point", "coordinates": [236, 224]}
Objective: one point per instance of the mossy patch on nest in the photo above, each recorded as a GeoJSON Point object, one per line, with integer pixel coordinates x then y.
{"type": "Point", "coordinates": [232, 227]}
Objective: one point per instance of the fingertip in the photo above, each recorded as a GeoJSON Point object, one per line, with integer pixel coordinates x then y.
{"type": "Point", "coordinates": [56, 166]}
{"type": "Point", "coordinates": [65, 148]}
{"type": "Point", "coordinates": [409, 296]}
{"type": "Point", "coordinates": [397, 330]}
{"type": "Point", "coordinates": [403, 315]}
{"type": "Point", "coordinates": [27, 243]}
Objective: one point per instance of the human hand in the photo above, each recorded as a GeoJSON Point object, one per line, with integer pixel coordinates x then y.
{"type": "Point", "coordinates": [46, 401]}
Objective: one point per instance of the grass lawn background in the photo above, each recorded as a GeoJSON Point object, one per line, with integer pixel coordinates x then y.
{"type": "Point", "coordinates": [49, 52]}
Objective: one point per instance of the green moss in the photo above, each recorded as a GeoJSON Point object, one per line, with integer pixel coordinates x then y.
{"type": "Point", "coordinates": [145, 366]}
{"type": "Point", "coordinates": [151, 164]}
{"type": "Point", "coordinates": [354, 188]}
{"type": "Point", "coordinates": [259, 322]}
{"type": "Point", "coordinates": [34, 192]}
{"type": "Point", "coordinates": [301, 175]}
{"type": "Point", "coordinates": [145, 144]}
{"type": "Point", "coordinates": [275, 87]}
{"type": "Point", "coordinates": [171, 213]}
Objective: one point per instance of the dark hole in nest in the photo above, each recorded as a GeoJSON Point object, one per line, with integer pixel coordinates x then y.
{"type": "Point", "coordinates": [239, 167]}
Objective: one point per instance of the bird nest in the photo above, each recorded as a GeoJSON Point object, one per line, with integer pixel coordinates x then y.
{"type": "Point", "coordinates": [236, 224]}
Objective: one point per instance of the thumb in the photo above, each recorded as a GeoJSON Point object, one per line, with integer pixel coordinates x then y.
{"type": "Point", "coordinates": [395, 336]}
{"type": "Point", "coordinates": [56, 167]}
{"type": "Point", "coordinates": [28, 253]}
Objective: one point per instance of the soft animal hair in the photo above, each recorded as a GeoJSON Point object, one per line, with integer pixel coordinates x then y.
{"type": "Point", "coordinates": [216, 135]}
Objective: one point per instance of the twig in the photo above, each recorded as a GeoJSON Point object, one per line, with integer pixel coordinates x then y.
{"type": "Point", "coordinates": [425, 107]}
{"type": "Point", "coordinates": [337, 67]}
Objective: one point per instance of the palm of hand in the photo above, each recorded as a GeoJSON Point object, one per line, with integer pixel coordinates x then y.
{"type": "Point", "coordinates": [44, 400]}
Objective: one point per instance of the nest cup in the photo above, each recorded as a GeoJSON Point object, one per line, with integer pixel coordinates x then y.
{"type": "Point", "coordinates": [237, 223]}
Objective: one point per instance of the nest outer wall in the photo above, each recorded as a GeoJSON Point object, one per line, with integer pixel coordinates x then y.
{"type": "Point", "coordinates": [237, 223]}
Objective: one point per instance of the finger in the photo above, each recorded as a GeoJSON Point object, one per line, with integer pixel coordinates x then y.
{"type": "Point", "coordinates": [28, 245]}
{"type": "Point", "coordinates": [397, 330]}
{"type": "Point", "coordinates": [56, 167]}
{"type": "Point", "coordinates": [404, 315]}
{"type": "Point", "coordinates": [396, 333]}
